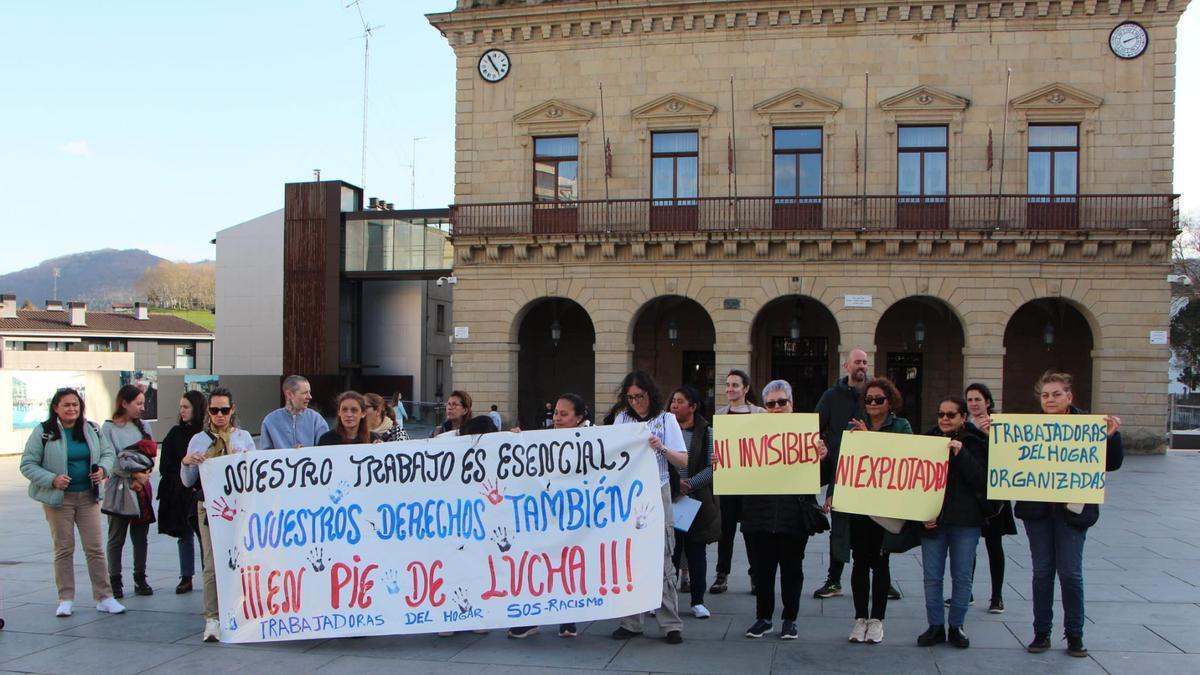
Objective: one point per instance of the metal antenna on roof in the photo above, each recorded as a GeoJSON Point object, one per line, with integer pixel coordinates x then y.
{"type": "Point", "coordinates": [56, 272]}
{"type": "Point", "coordinates": [368, 31]}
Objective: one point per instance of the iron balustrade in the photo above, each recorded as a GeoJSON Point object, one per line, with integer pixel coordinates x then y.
{"type": "Point", "coordinates": [1153, 212]}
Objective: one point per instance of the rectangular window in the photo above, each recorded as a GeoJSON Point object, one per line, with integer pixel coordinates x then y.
{"type": "Point", "coordinates": [1054, 159]}
{"type": "Point", "coordinates": [556, 169]}
{"type": "Point", "coordinates": [185, 356]}
{"type": "Point", "coordinates": [56, 346]}
{"type": "Point", "coordinates": [440, 322]}
{"type": "Point", "coordinates": [921, 162]}
{"type": "Point", "coordinates": [675, 167]}
{"type": "Point", "coordinates": [797, 163]}
{"type": "Point", "coordinates": [439, 378]}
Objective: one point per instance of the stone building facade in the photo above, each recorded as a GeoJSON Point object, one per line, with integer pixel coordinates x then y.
{"type": "Point", "coordinates": [969, 191]}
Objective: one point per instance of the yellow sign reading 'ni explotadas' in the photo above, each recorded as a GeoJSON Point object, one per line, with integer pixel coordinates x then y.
{"type": "Point", "coordinates": [767, 454]}
{"type": "Point", "coordinates": [1048, 458]}
{"type": "Point", "coordinates": [891, 475]}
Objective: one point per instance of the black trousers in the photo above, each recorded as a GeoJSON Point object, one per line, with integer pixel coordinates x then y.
{"type": "Point", "coordinates": [995, 550]}
{"type": "Point", "coordinates": [731, 513]}
{"type": "Point", "coordinates": [871, 575]}
{"type": "Point", "coordinates": [768, 551]}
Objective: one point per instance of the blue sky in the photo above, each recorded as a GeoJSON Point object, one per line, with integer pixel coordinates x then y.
{"type": "Point", "coordinates": [153, 124]}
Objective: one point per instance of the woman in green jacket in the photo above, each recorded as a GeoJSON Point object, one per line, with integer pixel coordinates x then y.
{"type": "Point", "coordinates": [65, 460]}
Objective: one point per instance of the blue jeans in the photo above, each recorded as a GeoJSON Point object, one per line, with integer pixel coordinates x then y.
{"type": "Point", "coordinates": [960, 543]}
{"type": "Point", "coordinates": [187, 554]}
{"type": "Point", "coordinates": [1056, 548]}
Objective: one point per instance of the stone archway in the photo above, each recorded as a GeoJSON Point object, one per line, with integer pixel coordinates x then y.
{"type": "Point", "coordinates": [556, 356]}
{"type": "Point", "coordinates": [796, 338]}
{"type": "Point", "coordinates": [1046, 334]}
{"type": "Point", "coordinates": [919, 346]}
{"type": "Point", "coordinates": [673, 340]}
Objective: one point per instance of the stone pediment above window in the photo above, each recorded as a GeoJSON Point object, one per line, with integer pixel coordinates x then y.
{"type": "Point", "coordinates": [553, 116]}
{"type": "Point", "coordinates": [1055, 103]}
{"type": "Point", "coordinates": [673, 110]}
{"type": "Point", "coordinates": [925, 105]}
{"type": "Point", "coordinates": [797, 106]}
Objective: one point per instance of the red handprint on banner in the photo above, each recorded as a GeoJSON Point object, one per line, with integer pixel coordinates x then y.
{"type": "Point", "coordinates": [221, 509]}
{"type": "Point", "coordinates": [493, 492]}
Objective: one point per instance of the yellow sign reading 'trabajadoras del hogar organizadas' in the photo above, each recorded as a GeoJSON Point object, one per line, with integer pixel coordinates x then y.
{"type": "Point", "coordinates": [1048, 458]}
{"type": "Point", "coordinates": [769, 454]}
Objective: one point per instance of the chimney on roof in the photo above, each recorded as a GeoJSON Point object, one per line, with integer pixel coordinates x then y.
{"type": "Point", "coordinates": [8, 306]}
{"type": "Point", "coordinates": [141, 312]}
{"type": "Point", "coordinates": [78, 312]}
{"type": "Point", "coordinates": [372, 203]}
{"type": "Point", "coordinates": [54, 306]}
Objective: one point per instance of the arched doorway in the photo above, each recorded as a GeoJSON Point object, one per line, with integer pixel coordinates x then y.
{"type": "Point", "coordinates": [1044, 334]}
{"type": "Point", "coordinates": [557, 355]}
{"type": "Point", "coordinates": [673, 339]}
{"type": "Point", "coordinates": [795, 338]}
{"type": "Point", "coordinates": [919, 346]}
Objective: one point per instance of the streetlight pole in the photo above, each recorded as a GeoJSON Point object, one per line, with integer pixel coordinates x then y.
{"type": "Point", "coordinates": [413, 169]}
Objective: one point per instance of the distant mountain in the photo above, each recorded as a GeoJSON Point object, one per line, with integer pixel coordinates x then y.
{"type": "Point", "coordinates": [98, 278]}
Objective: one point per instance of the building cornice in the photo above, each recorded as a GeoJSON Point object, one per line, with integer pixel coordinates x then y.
{"type": "Point", "coordinates": [559, 21]}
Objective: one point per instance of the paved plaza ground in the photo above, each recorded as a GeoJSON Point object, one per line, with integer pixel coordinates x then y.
{"type": "Point", "coordinates": [1142, 580]}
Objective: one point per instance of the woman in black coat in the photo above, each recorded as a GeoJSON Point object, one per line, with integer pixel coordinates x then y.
{"type": "Point", "coordinates": [176, 503]}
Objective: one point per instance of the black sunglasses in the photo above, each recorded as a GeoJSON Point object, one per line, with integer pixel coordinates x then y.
{"type": "Point", "coordinates": [777, 403]}
{"type": "Point", "coordinates": [214, 410]}
{"type": "Point", "coordinates": [947, 415]}
{"type": "Point", "coordinates": [875, 400]}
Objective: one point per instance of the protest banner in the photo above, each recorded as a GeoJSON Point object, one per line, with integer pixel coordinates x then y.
{"type": "Point", "coordinates": [449, 534]}
{"type": "Point", "coordinates": [1048, 458]}
{"type": "Point", "coordinates": [891, 475]}
{"type": "Point", "coordinates": [766, 454]}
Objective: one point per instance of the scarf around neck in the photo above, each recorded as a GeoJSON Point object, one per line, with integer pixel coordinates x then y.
{"type": "Point", "coordinates": [220, 441]}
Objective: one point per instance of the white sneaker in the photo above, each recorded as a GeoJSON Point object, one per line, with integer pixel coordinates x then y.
{"type": "Point", "coordinates": [65, 608]}
{"type": "Point", "coordinates": [110, 606]}
{"type": "Point", "coordinates": [212, 630]}
{"type": "Point", "coordinates": [700, 612]}
{"type": "Point", "coordinates": [859, 633]}
{"type": "Point", "coordinates": [874, 631]}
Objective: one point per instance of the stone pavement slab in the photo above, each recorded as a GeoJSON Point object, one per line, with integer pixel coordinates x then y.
{"type": "Point", "coordinates": [1142, 581]}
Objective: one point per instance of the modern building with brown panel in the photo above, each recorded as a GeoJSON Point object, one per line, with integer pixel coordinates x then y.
{"type": "Point", "coordinates": [968, 191]}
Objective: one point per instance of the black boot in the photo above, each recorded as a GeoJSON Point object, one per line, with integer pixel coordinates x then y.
{"type": "Point", "coordinates": [931, 637]}
{"type": "Point", "coordinates": [185, 586]}
{"type": "Point", "coordinates": [141, 587]}
{"type": "Point", "coordinates": [958, 638]}
{"type": "Point", "coordinates": [1041, 642]}
{"type": "Point", "coordinates": [116, 584]}
{"type": "Point", "coordinates": [1075, 646]}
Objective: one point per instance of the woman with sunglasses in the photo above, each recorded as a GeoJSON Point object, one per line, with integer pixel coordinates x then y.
{"type": "Point", "coordinates": [221, 437]}
{"type": "Point", "coordinates": [955, 531]}
{"type": "Point", "coordinates": [980, 408]}
{"type": "Point", "coordinates": [65, 460]}
{"type": "Point", "coordinates": [1057, 532]}
{"type": "Point", "coordinates": [871, 576]}
{"type": "Point", "coordinates": [644, 404]}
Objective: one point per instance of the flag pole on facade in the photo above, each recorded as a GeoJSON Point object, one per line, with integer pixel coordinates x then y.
{"type": "Point", "coordinates": [866, 115]}
{"type": "Point", "coordinates": [607, 147]}
{"type": "Point", "coordinates": [1003, 146]}
{"type": "Point", "coordinates": [732, 137]}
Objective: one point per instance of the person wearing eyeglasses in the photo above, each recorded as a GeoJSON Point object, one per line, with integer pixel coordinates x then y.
{"type": "Point", "coordinates": [221, 437]}
{"type": "Point", "coordinates": [458, 412]}
{"type": "Point", "coordinates": [955, 531]}
{"type": "Point", "coordinates": [980, 408]}
{"type": "Point", "coordinates": [777, 533]}
{"type": "Point", "coordinates": [644, 404]}
{"type": "Point", "coordinates": [381, 419]}
{"type": "Point", "coordinates": [1057, 532]}
{"type": "Point", "coordinates": [742, 401]}
{"type": "Point", "coordinates": [871, 575]}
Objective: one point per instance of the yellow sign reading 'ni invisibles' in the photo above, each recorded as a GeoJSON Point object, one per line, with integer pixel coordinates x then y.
{"type": "Point", "coordinates": [891, 475]}
{"type": "Point", "coordinates": [771, 454]}
{"type": "Point", "coordinates": [1048, 458]}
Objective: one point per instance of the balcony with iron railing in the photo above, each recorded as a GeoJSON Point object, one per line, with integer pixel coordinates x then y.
{"type": "Point", "coordinates": [876, 213]}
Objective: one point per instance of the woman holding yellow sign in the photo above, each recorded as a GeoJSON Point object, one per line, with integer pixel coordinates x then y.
{"type": "Point", "coordinates": [871, 576]}
{"type": "Point", "coordinates": [1057, 531]}
{"type": "Point", "coordinates": [955, 531]}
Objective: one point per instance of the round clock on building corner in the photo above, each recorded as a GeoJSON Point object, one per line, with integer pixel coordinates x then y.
{"type": "Point", "coordinates": [494, 65]}
{"type": "Point", "coordinates": [1128, 40]}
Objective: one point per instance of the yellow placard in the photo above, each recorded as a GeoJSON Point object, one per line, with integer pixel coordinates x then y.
{"type": "Point", "coordinates": [1048, 458]}
{"type": "Point", "coordinates": [766, 454]}
{"type": "Point", "coordinates": [891, 475]}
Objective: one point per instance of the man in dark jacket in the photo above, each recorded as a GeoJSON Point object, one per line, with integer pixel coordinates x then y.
{"type": "Point", "coordinates": [838, 405]}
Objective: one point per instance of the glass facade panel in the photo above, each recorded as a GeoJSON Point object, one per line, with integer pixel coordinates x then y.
{"type": "Point", "coordinates": [810, 175]}
{"type": "Point", "coordinates": [662, 182]}
{"type": "Point", "coordinates": [687, 183]}
{"type": "Point", "coordinates": [562, 146]}
{"type": "Point", "coordinates": [935, 173]}
{"type": "Point", "coordinates": [923, 137]}
{"type": "Point", "coordinates": [908, 178]}
{"type": "Point", "coordinates": [1053, 136]}
{"type": "Point", "coordinates": [1039, 173]}
{"type": "Point", "coordinates": [387, 245]}
{"type": "Point", "coordinates": [785, 175]}
{"type": "Point", "coordinates": [797, 139]}
{"type": "Point", "coordinates": [675, 142]}
{"type": "Point", "coordinates": [1066, 178]}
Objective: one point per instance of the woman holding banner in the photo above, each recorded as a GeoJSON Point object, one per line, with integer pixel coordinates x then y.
{"type": "Point", "coordinates": [980, 406]}
{"type": "Point", "coordinates": [458, 411]}
{"type": "Point", "coordinates": [645, 404]}
{"type": "Point", "coordinates": [741, 396]}
{"type": "Point", "coordinates": [871, 576]}
{"type": "Point", "coordinates": [352, 426]}
{"type": "Point", "coordinates": [777, 529]}
{"type": "Point", "coordinates": [955, 531]}
{"type": "Point", "coordinates": [1057, 531]}
{"type": "Point", "coordinates": [569, 412]}
{"type": "Point", "coordinates": [221, 437]}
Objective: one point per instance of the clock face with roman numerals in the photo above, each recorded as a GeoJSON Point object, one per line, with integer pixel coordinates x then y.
{"type": "Point", "coordinates": [1128, 40]}
{"type": "Point", "coordinates": [494, 65]}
